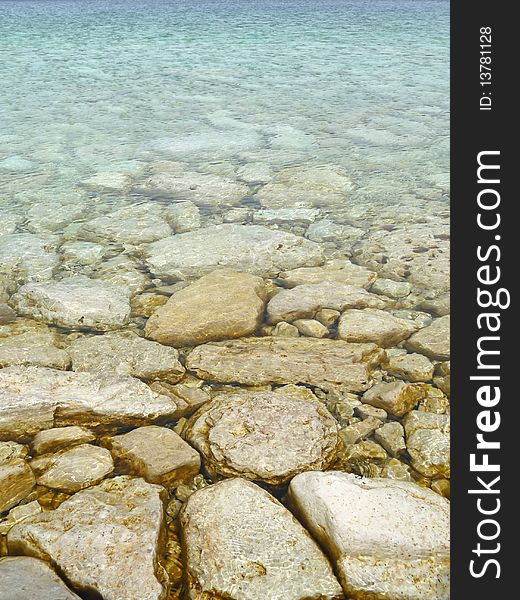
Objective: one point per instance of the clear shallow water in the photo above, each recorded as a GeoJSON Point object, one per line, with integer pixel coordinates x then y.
{"type": "Point", "coordinates": [95, 85]}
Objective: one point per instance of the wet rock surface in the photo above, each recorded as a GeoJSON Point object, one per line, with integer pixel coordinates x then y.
{"type": "Point", "coordinates": [25, 578]}
{"type": "Point", "coordinates": [365, 525]}
{"type": "Point", "coordinates": [263, 552]}
{"type": "Point", "coordinates": [257, 361]}
{"type": "Point", "coordinates": [34, 399]}
{"type": "Point", "coordinates": [221, 305]}
{"type": "Point", "coordinates": [266, 437]}
{"type": "Point", "coordinates": [105, 539]}
{"type": "Point", "coordinates": [75, 303]}
{"type": "Point", "coordinates": [32, 348]}
{"type": "Point", "coordinates": [252, 249]}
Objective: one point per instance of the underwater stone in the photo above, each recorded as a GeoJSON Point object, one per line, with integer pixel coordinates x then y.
{"type": "Point", "coordinates": [432, 341]}
{"type": "Point", "coordinates": [396, 397]}
{"type": "Point", "coordinates": [263, 551]}
{"type": "Point", "coordinates": [266, 437]}
{"type": "Point", "coordinates": [372, 325]}
{"type": "Point", "coordinates": [249, 248]}
{"type": "Point", "coordinates": [388, 538]}
{"type": "Point", "coordinates": [107, 539]}
{"type": "Point", "coordinates": [221, 305]}
{"type": "Point", "coordinates": [32, 348]}
{"type": "Point", "coordinates": [75, 303]}
{"type": "Point", "coordinates": [323, 363]}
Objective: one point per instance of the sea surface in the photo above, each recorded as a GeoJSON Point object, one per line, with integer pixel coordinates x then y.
{"type": "Point", "coordinates": [91, 86]}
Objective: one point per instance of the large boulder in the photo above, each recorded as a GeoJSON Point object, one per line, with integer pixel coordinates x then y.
{"type": "Point", "coordinates": [263, 436]}
{"type": "Point", "coordinates": [16, 477]}
{"type": "Point", "coordinates": [389, 539]}
{"type": "Point", "coordinates": [105, 540]}
{"type": "Point", "coordinates": [250, 248]}
{"type": "Point", "coordinates": [221, 305]}
{"type": "Point", "coordinates": [75, 303]}
{"type": "Point", "coordinates": [242, 544]}
{"type": "Point", "coordinates": [37, 398]}
{"type": "Point", "coordinates": [257, 361]}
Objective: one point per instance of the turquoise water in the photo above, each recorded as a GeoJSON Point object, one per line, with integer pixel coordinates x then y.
{"type": "Point", "coordinates": [95, 86]}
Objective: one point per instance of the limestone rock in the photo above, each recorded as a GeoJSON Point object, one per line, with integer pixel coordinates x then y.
{"type": "Point", "coordinates": [223, 304]}
{"type": "Point", "coordinates": [7, 314]}
{"type": "Point", "coordinates": [388, 539]}
{"type": "Point", "coordinates": [311, 328]}
{"type": "Point", "coordinates": [183, 216]}
{"type": "Point", "coordinates": [372, 325]}
{"type": "Point", "coordinates": [37, 398]}
{"type": "Point", "coordinates": [73, 469]}
{"type": "Point", "coordinates": [32, 348]}
{"type": "Point", "coordinates": [17, 515]}
{"type": "Point", "coordinates": [26, 578]}
{"type": "Point", "coordinates": [132, 225]}
{"type": "Point", "coordinates": [30, 256]}
{"type": "Point", "coordinates": [157, 454]}
{"type": "Point", "coordinates": [267, 437]}
{"type": "Point", "coordinates": [16, 482]}
{"type": "Point", "coordinates": [442, 377]}
{"type": "Point", "coordinates": [411, 367]}
{"type": "Point", "coordinates": [391, 288]}
{"type": "Point", "coordinates": [263, 552]}
{"type": "Point", "coordinates": [428, 443]}
{"type": "Point", "coordinates": [397, 397]}
{"type": "Point", "coordinates": [144, 305]}
{"type": "Point", "coordinates": [106, 539]}
{"type": "Point", "coordinates": [250, 248]}
{"type": "Point", "coordinates": [338, 271]}
{"type": "Point", "coordinates": [57, 438]}
{"type": "Point", "coordinates": [391, 437]}
{"type": "Point", "coordinates": [327, 316]}
{"type": "Point", "coordinates": [125, 353]}
{"type": "Point", "coordinates": [257, 361]}
{"type": "Point", "coordinates": [284, 329]}
{"type": "Point", "coordinates": [360, 430]}
{"type": "Point", "coordinates": [304, 301]}
{"type": "Point", "coordinates": [432, 341]}
{"type": "Point", "coordinates": [292, 216]}
{"type": "Point", "coordinates": [76, 303]}
{"type": "Point", "coordinates": [82, 253]}
{"type": "Point", "coordinates": [416, 252]}
{"type": "Point", "coordinates": [108, 181]}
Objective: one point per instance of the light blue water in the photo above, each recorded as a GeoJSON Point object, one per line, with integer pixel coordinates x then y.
{"type": "Point", "coordinates": [107, 85]}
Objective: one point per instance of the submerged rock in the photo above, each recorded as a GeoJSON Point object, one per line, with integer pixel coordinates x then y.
{"type": "Point", "coordinates": [157, 454]}
{"type": "Point", "coordinates": [372, 325]}
{"type": "Point", "coordinates": [32, 348]}
{"type": "Point", "coordinates": [263, 552]}
{"type": "Point", "coordinates": [428, 443]}
{"type": "Point", "coordinates": [339, 271]}
{"type": "Point", "coordinates": [73, 469]}
{"type": "Point", "coordinates": [257, 361]}
{"type": "Point", "coordinates": [57, 438]}
{"type": "Point", "coordinates": [31, 257]}
{"type": "Point", "coordinates": [250, 248]}
{"type": "Point", "coordinates": [266, 437]}
{"type": "Point", "coordinates": [396, 397]}
{"type": "Point", "coordinates": [224, 304]}
{"type": "Point", "coordinates": [125, 353]}
{"type": "Point", "coordinates": [389, 539]}
{"type": "Point", "coordinates": [411, 367]}
{"type": "Point", "coordinates": [303, 301]}
{"type": "Point", "coordinates": [415, 252]}
{"type": "Point", "coordinates": [433, 341]}
{"type": "Point", "coordinates": [75, 303]}
{"type": "Point", "coordinates": [26, 578]}
{"type": "Point", "coordinates": [7, 314]}
{"type": "Point", "coordinates": [37, 398]}
{"type": "Point", "coordinates": [16, 481]}
{"type": "Point", "coordinates": [106, 539]}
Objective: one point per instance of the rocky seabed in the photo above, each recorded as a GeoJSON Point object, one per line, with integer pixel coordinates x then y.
{"type": "Point", "coordinates": [225, 388]}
